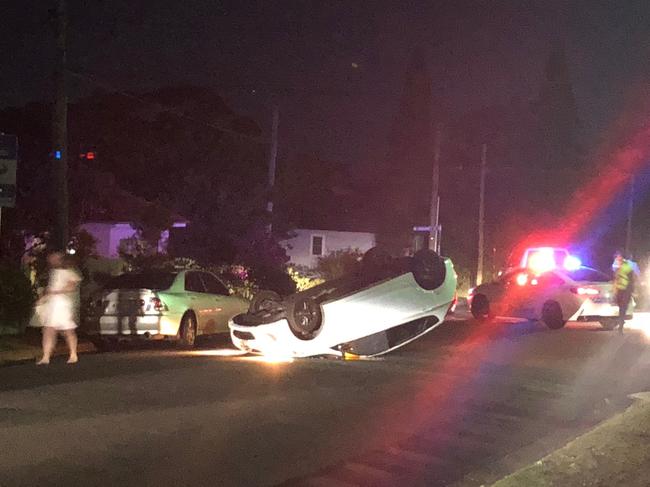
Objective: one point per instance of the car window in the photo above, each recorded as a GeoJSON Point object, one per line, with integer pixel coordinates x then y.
{"type": "Point", "coordinates": [193, 282]}
{"type": "Point", "coordinates": [142, 280]}
{"type": "Point", "coordinates": [589, 274]}
{"type": "Point", "coordinates": [214, 285]}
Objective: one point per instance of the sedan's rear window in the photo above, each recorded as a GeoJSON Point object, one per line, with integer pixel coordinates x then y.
{"type": "Point", "coordinates": [145, 280]}
{"type": "Point", "coordinates": [589, 275]}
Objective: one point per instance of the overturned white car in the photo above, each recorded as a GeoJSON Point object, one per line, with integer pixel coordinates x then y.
{"type": "Point", "coordinates": [385, 304]}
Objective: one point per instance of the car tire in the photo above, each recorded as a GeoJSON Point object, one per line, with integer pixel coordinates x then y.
{"type": "Point", "coordinates": [305, 318]}
{"type": "Point", "coordinates": [552, 315]}
{"type": "Point", "coordinates": [187, 331]}
{"type": "Point", "coordinates": [608, 323]}
{"type": "Point", "coordinates": [429, 269]}
{"type": "Point", "coordinates": [480, 308]}
{"type": "Point", "coordinates": [265, 301]}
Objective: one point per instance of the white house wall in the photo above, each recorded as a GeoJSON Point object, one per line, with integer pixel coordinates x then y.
{"type": "Point", "coordinates": [109, 235]}
{"type": "Point", "coordinates": [299, 247]}
{"type": "Point", "coordinates": [119, 232]}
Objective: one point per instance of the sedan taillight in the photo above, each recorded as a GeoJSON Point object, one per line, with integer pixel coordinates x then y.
{"type": "Point", "coordinates": [157, 304]}
{"type": "Point", "coordinates": [585, 291]}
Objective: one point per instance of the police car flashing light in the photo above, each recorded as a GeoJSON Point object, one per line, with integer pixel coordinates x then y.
{"type": "Point", "coordinates": [539, 260]}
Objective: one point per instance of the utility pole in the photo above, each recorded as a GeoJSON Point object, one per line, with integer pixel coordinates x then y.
{"type": "Point", "coordinates": [273, 155]}
{"type": "Point", "coordinates": [60, 131]}
{"type": "Point", "coordinates": [481, 217]}
{"type": "Point", "coordinates": [434, 212]}
{"type": "Point", "coordinates": [630, 214]}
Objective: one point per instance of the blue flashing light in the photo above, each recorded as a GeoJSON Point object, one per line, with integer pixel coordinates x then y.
{"type": "Point", "coordinates": [57, 154]}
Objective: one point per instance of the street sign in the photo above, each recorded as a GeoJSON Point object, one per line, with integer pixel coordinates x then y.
{"type": "Point", "coordinates": [8, 163]}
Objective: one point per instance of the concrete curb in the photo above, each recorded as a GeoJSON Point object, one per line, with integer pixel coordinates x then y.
{"type": "Point", "coordinates": [25, 352]}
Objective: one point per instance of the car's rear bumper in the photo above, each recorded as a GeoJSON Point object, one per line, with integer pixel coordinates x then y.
{"type": "Point", "coordinates": [132, 326]}
{"type": "Point", "coordinates": [595, 311]}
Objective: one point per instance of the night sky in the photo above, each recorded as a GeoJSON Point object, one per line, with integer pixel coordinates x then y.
{"type": "Point", "coordinates": [335, 67]}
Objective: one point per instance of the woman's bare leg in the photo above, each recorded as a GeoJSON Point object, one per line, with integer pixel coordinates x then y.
{"type": "Point", "coordinates": [71, 340]}
{"type": "Point", "coordinates": [49, 341]}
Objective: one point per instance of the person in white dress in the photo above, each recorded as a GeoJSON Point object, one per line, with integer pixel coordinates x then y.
{"type": "Point", "coordinates": [58, 307]}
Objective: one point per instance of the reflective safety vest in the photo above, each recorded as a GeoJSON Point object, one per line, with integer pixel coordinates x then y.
{"type": "Point", "coordinates": [624, 277]}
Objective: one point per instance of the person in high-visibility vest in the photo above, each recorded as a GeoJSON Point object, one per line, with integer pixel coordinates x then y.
{"type": "Point", "coordinates": [624, 277]}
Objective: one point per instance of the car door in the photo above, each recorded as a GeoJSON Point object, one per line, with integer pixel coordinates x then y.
{"type": "Point", "coordinates": [513, 297]}
{"type": "Point", "coordinates": [224, 306]}
{"type": "Point", "coordinates": [555, 287]}
{"type": "Point", "coordinates": [198, 300]}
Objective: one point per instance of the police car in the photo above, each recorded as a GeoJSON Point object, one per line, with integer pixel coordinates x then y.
{"type": "Point", "coordinates": [549, 285]}
{"type": "Point", "coordinates": [386, 303]}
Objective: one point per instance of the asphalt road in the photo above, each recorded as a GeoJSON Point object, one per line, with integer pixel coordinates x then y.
{"type": "Point", "coordinates": [464, 405]}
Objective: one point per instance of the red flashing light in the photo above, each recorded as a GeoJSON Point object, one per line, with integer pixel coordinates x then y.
{"type": "Point", "coordinates": [90, 155]}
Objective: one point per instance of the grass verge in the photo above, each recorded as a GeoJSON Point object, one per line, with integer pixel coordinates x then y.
{"type": "Point", "coordinates": [616, 452]}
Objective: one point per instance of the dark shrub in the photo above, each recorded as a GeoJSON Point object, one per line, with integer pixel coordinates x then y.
{"type": "Point", "coordinates": [16, 297]}
{"type": "Point", "coordinates": [339, 263]}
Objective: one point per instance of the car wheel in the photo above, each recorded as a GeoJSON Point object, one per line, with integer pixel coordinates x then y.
{"type": "Point", "coordinates": [608, 323]}
{"type": "Point", "coordinates": [187, 331]}
{"type": "Point", "coordinates": [480, 308]}
{"type": "Point", "coordinates": [429, 269]}
{"type": "Point", "coordinates": [305, 318]}
{"type": "Point", "coordinates": [552, 315]}
{"type": "Point", "coordinates": [265, 301]}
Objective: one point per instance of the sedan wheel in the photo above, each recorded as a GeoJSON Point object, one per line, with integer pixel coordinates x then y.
{"type": "Point", "coordinates": [305, 318]}
{"type": "Point", "coordinates": [187, 332]}
{"type": "Point", "coordinates": [552, 315]}
{"type": "Point", "coordinates": [480, 308]}
{"type": "Point", "coordinates": [429, 269]}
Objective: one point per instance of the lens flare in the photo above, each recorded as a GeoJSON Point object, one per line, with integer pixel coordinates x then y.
{"type": "Point", "coordinates": [271, 359]}
{"type": "Point", "coordinates": [541, 260]}
{"type": "Point", "coordinates": [641, 322]}
{"type": "Point", "coordinates": [572, 263]}
{"type": "Point", "coordinates": [522, 279]}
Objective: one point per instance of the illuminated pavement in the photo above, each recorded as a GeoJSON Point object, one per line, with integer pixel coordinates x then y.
{"type": "Point", "coordinates": [466, 404]}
